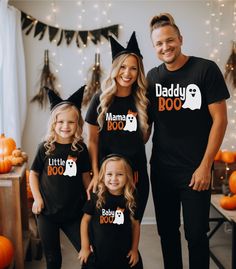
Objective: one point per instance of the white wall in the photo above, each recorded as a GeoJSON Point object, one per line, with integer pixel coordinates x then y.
{"type": "Point", "coordinates": [190, 16]}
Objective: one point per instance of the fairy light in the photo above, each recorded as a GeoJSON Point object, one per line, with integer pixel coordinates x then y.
{"type": "Point", "coordinates": [101, 17]}
{"type": "Point", "coordinates": [215, 41]}
{"type": "Point", "coordinates": [213, 31]}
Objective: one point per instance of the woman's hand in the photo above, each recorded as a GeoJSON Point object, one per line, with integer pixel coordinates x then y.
{"type": "Point", "coordinates": [92, 186]}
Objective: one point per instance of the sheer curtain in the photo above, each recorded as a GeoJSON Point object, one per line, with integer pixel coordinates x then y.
{"type": "Point", "coordinates": [12, 73]}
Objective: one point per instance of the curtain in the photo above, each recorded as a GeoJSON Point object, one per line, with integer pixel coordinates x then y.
{"type": "Point", "coordinates": [12, 73]}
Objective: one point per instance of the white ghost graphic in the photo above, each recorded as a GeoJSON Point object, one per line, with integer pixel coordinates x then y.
{"type": "Point", "coordinates": [131, 121]}
{"type": "Point", "coordinates": [119, 216]}
{"type": "Point", "coordinates": [71, 168]}
{"type": "Point", "coordinates": [193, 98]}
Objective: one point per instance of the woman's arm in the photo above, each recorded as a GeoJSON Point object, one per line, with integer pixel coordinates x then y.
{"type": "Point", "coordinates": [38, 203]}
{"type": "Point", "coordinates": [133, 253]}
{"type": "Point", "coordinates": [93, 139]}
{"type": "Point", "coordinates": [147, 134]}
{"type": "Point", "coordinates": [86, 179]}
{"type": "Point", "coordinates": [85, 244]}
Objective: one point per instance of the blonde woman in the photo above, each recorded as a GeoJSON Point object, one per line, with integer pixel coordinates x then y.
{"type": "Point", "coordinates": [114, 218]}
{"type": "Point", "coordinates": [59, 176]}
{"type": "Point", "coordinates": [117, 116]}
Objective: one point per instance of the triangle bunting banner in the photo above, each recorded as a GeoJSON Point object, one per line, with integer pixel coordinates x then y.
{"type": "Point", "coordinates": [81, 37]}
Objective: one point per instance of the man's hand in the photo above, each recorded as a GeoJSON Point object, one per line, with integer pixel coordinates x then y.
{"type": "Point", "coordinates": [201, 179]}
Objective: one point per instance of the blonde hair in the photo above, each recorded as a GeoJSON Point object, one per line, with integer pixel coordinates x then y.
{"type": "Point", "coordinates": [161, 20]}
{"type": "Point", "coordinates": [50, 137]}
{"type": "Point", "coordinates": [109, 90]}
{"type": "Point", "coordinates": [128, 188]}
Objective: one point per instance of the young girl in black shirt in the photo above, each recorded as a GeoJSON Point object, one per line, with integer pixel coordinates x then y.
{"type": "Point", "coordinates": [59, 177]}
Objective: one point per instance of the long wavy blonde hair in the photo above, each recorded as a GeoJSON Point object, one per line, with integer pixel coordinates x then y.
{"type": "Point", "coordinates": [139, 90]}
{"type": "Point", "coordinates": [128, 188]}
{"type": "Point", "coordinates": [50, 137]}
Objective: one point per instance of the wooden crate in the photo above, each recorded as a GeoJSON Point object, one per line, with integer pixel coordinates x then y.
{"type": "Point", "coordinates": [14, 222]}
{"type": "Point", "coordinates": [220, 175]}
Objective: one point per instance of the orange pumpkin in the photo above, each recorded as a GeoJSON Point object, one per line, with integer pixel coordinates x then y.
{"type": "Point", "coordinates": [227, 156]}
{"type": "Point", "coordinates": [232, 182]}
{"type": "Point", "coordinates": [234, 152]}
{"type": "Point", "coordinates": [7, 145]}
{"type": "Point", "coordinates": [6, 252]}
{"type": "Point", "coordinates": [5, 166]}
{"type": "Point", "coordinates": [218, 156]}
{"type": "Point", "coordinates": [228, 203]}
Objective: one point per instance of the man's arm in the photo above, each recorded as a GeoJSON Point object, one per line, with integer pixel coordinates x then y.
{"type": "Point", "coordinates": [201, 178]}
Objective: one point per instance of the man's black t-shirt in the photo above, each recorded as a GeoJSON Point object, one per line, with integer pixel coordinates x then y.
{"type": "Point", "coordinates": [179, 107]}
{"type": "Point", "coordinates": [60, 180]}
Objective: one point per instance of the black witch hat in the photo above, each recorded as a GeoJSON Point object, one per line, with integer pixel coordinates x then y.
{"type": "Point", "coordinates": [132, 47]}
{"type": "Point", "coordinates": [75, 99]}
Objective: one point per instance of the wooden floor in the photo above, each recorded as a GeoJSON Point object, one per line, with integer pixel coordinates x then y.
{"type": "Point", "coordinates": [150, 250]}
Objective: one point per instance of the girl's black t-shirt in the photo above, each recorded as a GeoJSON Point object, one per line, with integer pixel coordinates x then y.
{"type": "Point", "coordinates": [60, 180]}
{"type": "Point", "coordinates": [111, 229]}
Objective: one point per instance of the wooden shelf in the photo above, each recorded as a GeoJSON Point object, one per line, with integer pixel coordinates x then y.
{"type": "Point", "coordinates": [14, 222]}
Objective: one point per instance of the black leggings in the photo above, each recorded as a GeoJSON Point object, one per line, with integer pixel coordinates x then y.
{"type": "Point", "coordinates": [170, 190]}
{"type": "Point", "coordinates": [49, 232]}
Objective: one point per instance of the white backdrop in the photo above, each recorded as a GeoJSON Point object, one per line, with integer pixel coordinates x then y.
{"type": "Point", "coordinates": [192, 17]}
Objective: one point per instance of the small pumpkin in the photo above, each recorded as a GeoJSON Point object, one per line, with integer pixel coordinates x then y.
{"type": "Point", "coordinates": [5, 166]}
{"type": "Point", "coordinates": [218, 156]}
{"type": "Point", "coordinates": [6, 252]}
{"type": "Point", "coordinates": [16, 153]}
{"type": "Point", "coordinates": [24, 156]}
{"type": "Point", "coordinates": [227, 156]}
{"type": "Point", "coordinates": [17, 160]}
{"type": "Point", "coordinates": [7, 145]}
{"type": "Point", "coordinates": [228, 202]}
{"type": "Point", "coordinates": [232, 182]}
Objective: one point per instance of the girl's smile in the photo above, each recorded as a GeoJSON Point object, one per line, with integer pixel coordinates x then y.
{"type": "Point", "coordinates": [66, 125]}
{"type": "Point", "coordinates": [115, 177]}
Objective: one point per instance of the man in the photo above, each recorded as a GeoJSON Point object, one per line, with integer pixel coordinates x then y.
{"type": "Point", "coordinates": [187, 106]}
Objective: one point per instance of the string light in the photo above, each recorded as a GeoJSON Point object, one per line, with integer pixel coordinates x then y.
{"type": "Point", "coordinates": [215, 44]}
{"type": "Point", "coordinates": [101, 17]}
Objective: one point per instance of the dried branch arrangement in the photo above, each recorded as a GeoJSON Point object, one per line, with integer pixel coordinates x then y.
{"type": "Point", "coordinates": [94, 84]}
{"type": "Point", "coordinates": [47, 79]}
{"type": "Point", "coordinates": [230, 67]}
